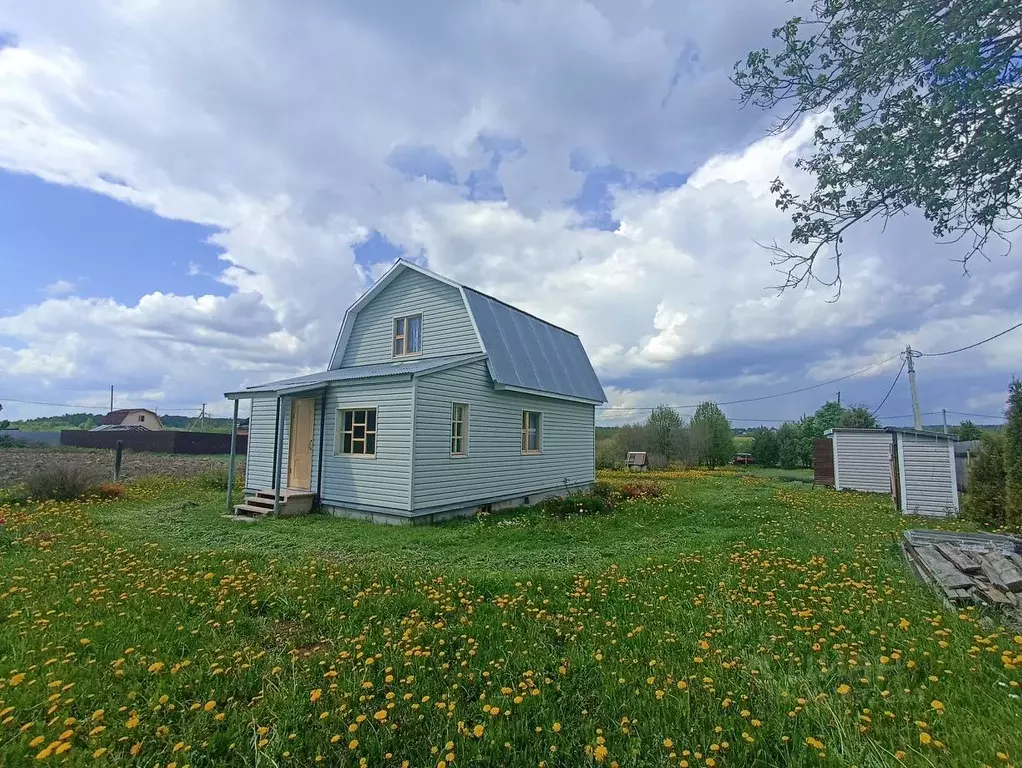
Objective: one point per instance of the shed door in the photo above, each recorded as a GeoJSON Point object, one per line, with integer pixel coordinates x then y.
{"type": "Point", "coordinates": [299, 452]}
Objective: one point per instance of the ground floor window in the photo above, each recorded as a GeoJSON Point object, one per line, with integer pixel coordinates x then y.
{"type": "Point", "coordinates": [459, 429]}
{"type": "Point", "coordinates": [356, 431]}
{"type": "Point", "coordinates": [532, 423]}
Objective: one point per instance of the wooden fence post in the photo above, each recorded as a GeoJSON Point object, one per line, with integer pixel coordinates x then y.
{"type": "Point", "coordinates": [117, 462]}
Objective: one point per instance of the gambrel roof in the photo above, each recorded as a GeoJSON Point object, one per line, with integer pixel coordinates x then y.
{"type": "Point", "coordinates": [523, 352]}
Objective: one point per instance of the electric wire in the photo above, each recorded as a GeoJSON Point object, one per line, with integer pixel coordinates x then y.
{"type": "Point", "coordinates": [971, 346]}
{"type": "Point", "coordinates": [889, 391]}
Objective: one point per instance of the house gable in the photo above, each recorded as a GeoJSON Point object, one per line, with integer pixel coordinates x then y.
{"type": "Point", "coordinates": [367, 334]}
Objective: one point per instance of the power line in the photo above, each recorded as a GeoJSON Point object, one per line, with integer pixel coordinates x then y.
{"type": "Point", "coordinates": [898, 376]}
{"type": "Point", "coordinates": [971, 346]}
{"type": "Point", "coordinates": [977, 415]}
{"type": "Point", "coordinates": [759, 398]}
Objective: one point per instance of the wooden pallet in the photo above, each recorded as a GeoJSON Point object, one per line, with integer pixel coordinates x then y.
{"type": "Point", "coordinates": [968, 568]}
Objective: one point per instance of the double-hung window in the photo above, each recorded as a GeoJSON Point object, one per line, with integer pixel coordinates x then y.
{"type": "Point", "coordinates": [356, 432]}
{"type": "Point", "coordinates": [532, 437]}
{"type": "Point", "coordinates": [407, 335]}
{"type": "Point", "coordinates": [459, 429]}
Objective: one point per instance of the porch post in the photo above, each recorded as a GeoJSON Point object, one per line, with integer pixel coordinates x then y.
{"type": "Point", "coordinates": [278, 452]}
{"type": "Point", "coordinates": [230, 462]}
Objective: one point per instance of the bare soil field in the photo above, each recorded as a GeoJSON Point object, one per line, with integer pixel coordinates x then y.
{"type": "Point", "coordinates": [16, 464]}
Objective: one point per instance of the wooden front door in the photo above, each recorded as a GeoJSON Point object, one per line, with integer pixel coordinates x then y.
{"type": "Point", "coordinates": [299, 452]}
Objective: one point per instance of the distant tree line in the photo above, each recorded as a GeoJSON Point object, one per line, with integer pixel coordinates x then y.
{"type": "Point", "coordinates": [705, 440]}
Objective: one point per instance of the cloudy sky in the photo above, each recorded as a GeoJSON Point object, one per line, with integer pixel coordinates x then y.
{"type": "Point", "coordinates": [191, 193]}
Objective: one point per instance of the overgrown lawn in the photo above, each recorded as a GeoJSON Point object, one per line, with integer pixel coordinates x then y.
{"type": "Point", "coordinates": [741, 620]}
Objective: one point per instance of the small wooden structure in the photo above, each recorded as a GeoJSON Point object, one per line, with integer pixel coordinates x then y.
{"type": "Point", "coordinates": [636, 461]}
{"type": "Point", "coordinates": [823, 461]}
{"type": "Point", "coordinates": [969, 567]}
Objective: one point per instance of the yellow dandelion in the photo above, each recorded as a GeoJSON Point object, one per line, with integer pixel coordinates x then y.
{"type": "Point", "coordinates": [316, 695]}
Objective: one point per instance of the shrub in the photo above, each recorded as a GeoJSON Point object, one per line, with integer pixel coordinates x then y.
{"type": "Point", "coordinates": [604, 490]}
{"type": "Point", "coordinates": [8, 441]}
{"type": "Point", "coordinates": [109, 490]}
{"type": "Point", "coordinates": [63, 482]}
{"type": "Point", "coordinates": [642, 489]}
{"type": "Point", "coordinates": [609, 455]}
{"type": "Point", "coordinates": [984, 502]}
{"type": "Point", "coordinates": [575, 504]}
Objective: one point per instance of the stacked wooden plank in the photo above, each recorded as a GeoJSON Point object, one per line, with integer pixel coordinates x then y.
{"type": "Point", "coordinates": [969, 567]}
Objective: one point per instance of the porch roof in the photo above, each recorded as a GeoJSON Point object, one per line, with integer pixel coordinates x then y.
{"type": "Point", "coordinates": [323, 379]}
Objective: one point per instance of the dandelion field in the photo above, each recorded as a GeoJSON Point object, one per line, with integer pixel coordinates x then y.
{"type": "Point", "coordinates": [736, 621]}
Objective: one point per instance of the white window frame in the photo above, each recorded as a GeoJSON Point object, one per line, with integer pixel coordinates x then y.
{"type": "Point", "coordinates": [464, 430]}
{"type": "Point", "coordinates": [340, 431]}
{"type": "Point", "coordinates": [526, 451]}
{"type": "Point", "coordinates": [394, 335]}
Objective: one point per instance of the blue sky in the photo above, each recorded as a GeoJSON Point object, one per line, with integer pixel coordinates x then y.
{"type": "Point", "coordinates": [191, 196]}
{"type": "Point", "coordinates": [50, 233]}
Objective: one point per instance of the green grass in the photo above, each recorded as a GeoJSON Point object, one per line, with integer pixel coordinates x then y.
{"type": "Point", "coordinates": [741, 620]}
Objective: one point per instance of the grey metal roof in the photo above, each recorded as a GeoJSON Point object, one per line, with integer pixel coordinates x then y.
{"type": "Point", "coordinates": [530, 353]}
{"type": "Point", "coordinates": [379, 370]}
{"type": "Point", "coordinates": [921, 433]}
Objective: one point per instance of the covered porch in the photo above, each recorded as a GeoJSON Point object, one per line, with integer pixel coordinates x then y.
{"type": "Point", "coordinates": [283, 469]}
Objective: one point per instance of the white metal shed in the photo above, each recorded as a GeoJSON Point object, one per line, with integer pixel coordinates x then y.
{"type": "Point", "coordinates": [862, 459]}
{"type": "Point", "coordinates": [926, 476]}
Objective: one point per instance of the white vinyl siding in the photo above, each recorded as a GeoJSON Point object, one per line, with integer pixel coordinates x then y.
{"type": "Point", "coordinates": [446, 326]}
{"type": "Point", "coordinates": [259, 458]}
{"type": "Point", "coordinates": [380, 482]}
{"type": "Point", "coordinates": [495, 467]}
{"type": "Point", "coordinates": [927, 465]}
{"type": "Point", "coordinates": [862, 461]}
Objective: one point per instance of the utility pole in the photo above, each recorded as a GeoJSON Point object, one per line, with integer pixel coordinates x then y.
{"type": "Point", "coordinates": [111, 398]}
{"type": "Point", "coordinates": [944, 411]}
{"type": "Point", "coordinates": [917, 416]}
{"type": "Point", "coordinates": [839, 397]}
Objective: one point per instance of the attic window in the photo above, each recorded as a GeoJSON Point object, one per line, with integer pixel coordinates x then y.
{"type": "Point", "coordinates": [141, 417]}
{"type": "Point", "coordinates": [407, 335]}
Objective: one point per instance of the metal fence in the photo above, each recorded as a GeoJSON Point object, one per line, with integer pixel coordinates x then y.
{"type": "Point", "coordinates": [163, 441]}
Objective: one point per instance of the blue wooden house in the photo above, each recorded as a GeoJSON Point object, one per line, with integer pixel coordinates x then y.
{"type": "Point", "coordinates": [438, 400]}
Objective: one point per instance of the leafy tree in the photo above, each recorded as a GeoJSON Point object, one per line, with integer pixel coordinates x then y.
{"type": "Point", "coordinates": [923, 110]}
{"type": "Point", "coordinates": [984, 502]}
{"type": "Point", "coordinates": [765, 447]}
{"type": "Point", "coordinates": [1013, 455]}
{"type": "Point", "coordinates": [5, 424]}
{"type": "Point", "coordinates": [712, 439]}
{"type": "Point", "coordinates": [859, 417]}
{"type": "Point", "coordinates": [827, 417]}
{"type": "Point", "coordinates": [789, 440]}
{"type": "Point", "coordinates": [967, 431]}
{"type": "Point", "coordinates": [664, 428]}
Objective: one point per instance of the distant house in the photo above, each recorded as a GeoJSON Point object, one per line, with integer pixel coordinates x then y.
{"type": "Point", "coordinates": [130, 418]}
{"type": "Point", "coordinates": [439, 400]}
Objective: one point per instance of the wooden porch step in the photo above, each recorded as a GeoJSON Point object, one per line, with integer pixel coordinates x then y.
{"type": "Point", "coordinates": [286, 494]}
{"type": "Point", "coordinates": [250, 510]}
